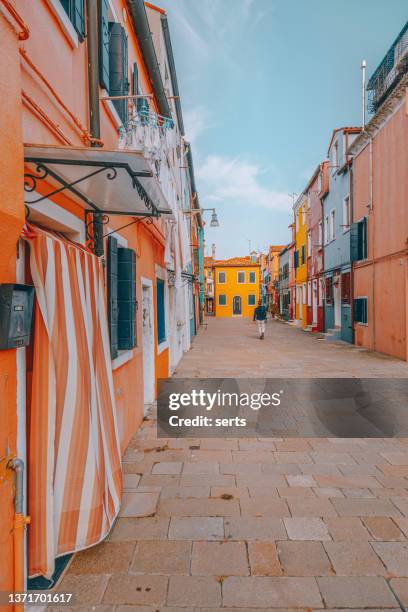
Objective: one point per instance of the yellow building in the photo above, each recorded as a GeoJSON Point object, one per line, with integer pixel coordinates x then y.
{"type": "Point", "coordinates": [300, 215]}
{"type": "Point", "coordinates": [237, 283]}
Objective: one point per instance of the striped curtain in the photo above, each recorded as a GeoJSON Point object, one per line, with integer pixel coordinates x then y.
{"type": "Point", "coordinates": [74, 467]}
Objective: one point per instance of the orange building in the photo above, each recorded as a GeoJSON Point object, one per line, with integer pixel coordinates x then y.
{"type": "Point", "coordinates": [236, 286]}
{"type": "Point", "coordinates": [90, 133]}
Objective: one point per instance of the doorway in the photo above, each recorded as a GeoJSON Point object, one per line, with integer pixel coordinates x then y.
{"type": "Point", "coordinates": [237, 306]}
{"type": "Point", "coordinates": [314, 302]}
{"type": "Point", "coordinates": [148, 343]}
{"type": "Point", "coordinates": [337, 301]}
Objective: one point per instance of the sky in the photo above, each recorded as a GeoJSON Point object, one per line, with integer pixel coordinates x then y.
{"type": "Point", "coordinates": [263, 83]}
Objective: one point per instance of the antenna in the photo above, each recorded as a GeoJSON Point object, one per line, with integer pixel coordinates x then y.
{"type": "Point", "coordinates": [363, 86]}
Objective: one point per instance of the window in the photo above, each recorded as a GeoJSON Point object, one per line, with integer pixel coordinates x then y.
{"type": "Point", "coordinates": [296, 259]}
{"type": "Point", "coordinates": [346, 214]}
{"type": "Point", "coordinates": [251, 299]}
{"type": "Point", "coordinates": [304, 293]}
{"type": "Point", "coordinates": [358, 240]}
{"type": "Point", "coordinates": [309, 293]}
{"type": "Point", "coordinates": [241, 277]}
{"type": "Point", "coordinates": [222, 299]}
{"type": "Point", "coordinates": [326, 230]}
{"type": "Point", "coordinates": [332, 224]}
{"type": "Point", "coordinates": [121, 285]}
{"type": "Point", "coordinates": [329, 289]}
{"type": "Point", "coordinates": [345, 288]}
{"type": "Point", "coordinates": [303, 253]}
{"type": "Point", "coordinates": [252, 277]}
{"type": "Point", "coordinates": [76, 13]}
{"type": "Point", "coordinates": [221, 277]}
{"type": "Point", "coordinates": [321, 291]}
{"type": "Point", "coordinates": [160, 311]}
{"type": "Point", "coordinates": [361, 310]}
{"type": "Point", "coordinates": [320, 234]}
{"type": "Point", "coordinates": [309, 243]}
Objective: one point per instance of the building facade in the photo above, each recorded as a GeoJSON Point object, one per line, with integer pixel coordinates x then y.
{"type": "Point", "coordinates": [300, 210]}
{"type": "Point", "coordinates": [336, 229]}
{"type": "Point", "coordinates": [237, 286]}
{"type": "Point", "coordinates": [284, 291]}
{"type": "Point", "coordinates": [105, 241]}
{"type": "Point", "coordinates": [380, 215]}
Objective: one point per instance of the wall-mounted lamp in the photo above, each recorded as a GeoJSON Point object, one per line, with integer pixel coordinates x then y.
{"type": "Point", "coordinates": [214, 219]}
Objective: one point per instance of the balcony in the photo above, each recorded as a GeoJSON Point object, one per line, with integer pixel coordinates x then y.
{"type": "Point", "coordinates": [389, 72]}
{"type": "Point", "coordinates": [147, 132]}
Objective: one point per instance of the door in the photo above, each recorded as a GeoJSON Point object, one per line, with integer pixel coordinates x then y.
{"type": "Point", "coordinates": [314, 302]}
{"type": "Point", "coordinates": [148, 344]}
{"type": "Point", "coordinates": [337, 301]}
{"type": "Point", "coordinates": [237, 306]}
{"type": "Point", "coordinates": [300, 302]}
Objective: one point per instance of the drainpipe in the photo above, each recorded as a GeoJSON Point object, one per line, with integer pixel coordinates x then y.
{"type": "Point", "coordinates": [370, 211]}
{"type": "Point", "coordinates": [352, 263]}
{"type": "Point", "coordinates": [20, 522]}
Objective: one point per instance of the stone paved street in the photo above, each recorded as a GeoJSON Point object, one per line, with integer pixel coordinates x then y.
{"type": "Point", "coordinates": [256, 524]}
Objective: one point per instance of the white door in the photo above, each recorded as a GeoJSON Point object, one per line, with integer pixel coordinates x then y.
{"type": "Point", "coordinates": [148, 344]}
{"type": "Point", "coordinates": [300, 301]}
{"type": "Point", "coordinates": [314, 302]}
{"type": "Point", "coordinates": [337, 302]}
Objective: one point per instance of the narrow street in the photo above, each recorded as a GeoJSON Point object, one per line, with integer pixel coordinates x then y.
{"type": "Point", "coordinates": [256, 524]}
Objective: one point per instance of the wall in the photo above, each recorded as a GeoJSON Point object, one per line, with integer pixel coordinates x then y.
{"type": "Point", "coordinates": [301, 270]}
{"type": "Point", "coordinates": [231, 288]}
{"type": "Point", "coordinates": [383, 276]}
{"type": "Point", "coordinates": [11, 223]}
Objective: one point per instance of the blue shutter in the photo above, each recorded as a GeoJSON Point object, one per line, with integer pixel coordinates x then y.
{"type": "Point", "coordinates": [160, 311]}
{"type": "Point", "coordinates": [103, 7]}
{"type": "Point", "coordinates": [118, 68]}
{"type": "Point", "coordinates": [354, 242]}
{"type": "Point", "coordinates": [126, 299]}
{"type": "Point", "coordinates": [296, 259]}
{"type": "Point", "coordinates": [79, 17]}
{"type": "Point", "coordinates": [113, 310]}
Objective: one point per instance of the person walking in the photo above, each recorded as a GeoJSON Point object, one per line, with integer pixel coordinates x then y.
{"type": "Point", "coordinates": [260, 318]}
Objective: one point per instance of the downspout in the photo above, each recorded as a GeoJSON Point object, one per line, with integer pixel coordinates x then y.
{"type": "Point", "coordinates": [93, 102]}
{"type": "Point", "coordinates": [352, 262]}
{"type": "Point", "coordinates": [19, 526]}
{"type": "Point", "coordinates": [370, 211]}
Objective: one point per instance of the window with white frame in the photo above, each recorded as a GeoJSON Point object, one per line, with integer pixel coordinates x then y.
{"type": "Point", "coordinates": [320, 234]}
{"type": "Point", "coordinates": [222, 278]}
{"type": "Point", "coordinates": [222, 299]}
{"type": "Point", "coordinates": [321, 291]}
{"type": "Point", "coordinates": [240, 277]}
{"type": "Point", "coordinates": [326, 229]}
{"type": "Point", "coordinates": [309, 293]}
{"type": "Point", "coordinates": [252, 277]}
{"type": "Point", "coordinates": [304, 291]}
{"type": "Point", "coordinates": [332, 228]}
{"type": "Point", "coordinates": [346, 214]}
{"type": "Point", "coordinates": [309, 243]}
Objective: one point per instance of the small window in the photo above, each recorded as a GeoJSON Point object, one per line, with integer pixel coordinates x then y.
{"type": "Point", "coordinates": [345, 288]}
{"type": "Point", "coordinates": [332, 224]}
{"type": "Point", "coordinates": [346, 214]}
{"type": "Point", "coordinates": [320, 234]}
{"type": "Point", "coordinates": [222, 299]}
{"type": "Point", "coordinates": [326, 230]}
{"type": "Point", "coordinates": [361, 310]}
{"type": "Point", "coordinates": [251, 299]}
{"type": "Point", "coordinates": [241, 277]}
{"type": "Point", "coordinates": [309, 243]}
{"type": "Point", "coordinates": [252, 277]}
{"type": "Point", "coordinates": [76, 13]}
{"type": "Point", "coordinates": [329, 289]}
{"type": "Point", "coordinates": [309, 293]}
{"type": "Point", "coordinates": [222, 277]}
{"type": "Point", "coordinates": [160, 314]}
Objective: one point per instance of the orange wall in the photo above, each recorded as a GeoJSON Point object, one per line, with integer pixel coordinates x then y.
{"type": "Point", "coordinates": [385, 281]}
{"type": "Point", "coordinates": [11, 223]}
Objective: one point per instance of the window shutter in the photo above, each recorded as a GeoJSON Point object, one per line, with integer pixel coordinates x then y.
{"type": "Point", "coordinates": [79, 17]}
{"type": "Point", "coordinates": [118, 68]}
{"type": "Point", "coordinates": [103, 6]}
{"type": "Point", "coordinates": [161, 321]}
{"type": "Point", "coordinates": [354, 242]}
{"type": "Point", "coordinates": [362, 239]}
{"type": "Point", "coordinates": [126, 299]}
{"type": "Point", "coordinates": [358, 310]}
{"type": "Point", "coordinates": [113, 309]}
{"type": "Point", "coordinates": [296, 259]}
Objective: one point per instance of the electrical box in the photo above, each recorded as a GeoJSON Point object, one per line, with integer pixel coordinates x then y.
{"type": "Point", "coordinates": [16, 313]}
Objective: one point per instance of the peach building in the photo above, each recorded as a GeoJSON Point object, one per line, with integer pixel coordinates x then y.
{"type": "Point", "coordinates": [380, 214]}
{"type": "Point", "coordinates": [93, 138]}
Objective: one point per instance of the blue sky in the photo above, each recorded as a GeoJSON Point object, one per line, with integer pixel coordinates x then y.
{"type": "Point", "coordinates": [263, 83]}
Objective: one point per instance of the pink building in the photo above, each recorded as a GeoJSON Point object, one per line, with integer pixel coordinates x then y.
{"type": "Point", "coordinates": [380, 212]}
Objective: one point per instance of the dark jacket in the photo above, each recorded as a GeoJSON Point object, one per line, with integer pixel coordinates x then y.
{"type": "Point", "coordinates": [260, 313]}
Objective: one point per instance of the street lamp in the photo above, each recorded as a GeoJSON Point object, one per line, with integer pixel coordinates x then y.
{"type": "Point", "coordinates": [214, 219]}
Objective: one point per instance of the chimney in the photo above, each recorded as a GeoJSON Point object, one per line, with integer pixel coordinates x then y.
{"type": "Point", "coordinates": [213, 250]}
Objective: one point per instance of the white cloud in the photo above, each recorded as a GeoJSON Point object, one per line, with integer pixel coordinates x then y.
{"type": "Point", "coordinates": [237, 181]}
{"type": "Point", "coordinates": [196, 121]}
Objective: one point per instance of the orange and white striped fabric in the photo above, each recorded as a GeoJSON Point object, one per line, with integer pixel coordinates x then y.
{"type": "Point", "coordinates": [74, 466]}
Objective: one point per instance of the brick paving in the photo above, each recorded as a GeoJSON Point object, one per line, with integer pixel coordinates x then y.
{"type": "Point", "coordinates": [254, 524]}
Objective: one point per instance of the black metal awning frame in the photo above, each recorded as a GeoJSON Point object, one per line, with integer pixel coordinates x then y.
{"type": "Point", "coordinates": [99, 217]}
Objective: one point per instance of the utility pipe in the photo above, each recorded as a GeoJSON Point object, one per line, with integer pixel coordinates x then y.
{"type": "Point", "coordinates": [20, 523]}
{"type": "Point", "coordinates": [24, 32]}
{"type": "Point", "coordinates": [45, 118]}
{"type": "Point", "coordinates": [84, 132]}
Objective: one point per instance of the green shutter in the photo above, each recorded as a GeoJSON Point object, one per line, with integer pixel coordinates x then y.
{"type": "Point", "coordinates": [126, 299]}
{"type": "Point", "coordinates": [118, 68]}
{"type": "Point", "coordinates": [79, 17]}
{"type": "Point", "coordinates": [103, 8]}
{"type": "Point", "coordinates": [296, 259]}
{"type": "Point", "coordinates": [160, 311]}
{"type": "Point", "coordinates": [354, 242]}
{"type": "Point", "coordinates": [113, 310]}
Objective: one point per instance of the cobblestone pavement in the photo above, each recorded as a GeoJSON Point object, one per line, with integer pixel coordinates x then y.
{"type": "Point", "coordinates": [251, 524]}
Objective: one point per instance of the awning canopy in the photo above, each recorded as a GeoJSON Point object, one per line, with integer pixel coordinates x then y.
{"type": "Point", "coordinates": [115, 182]}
